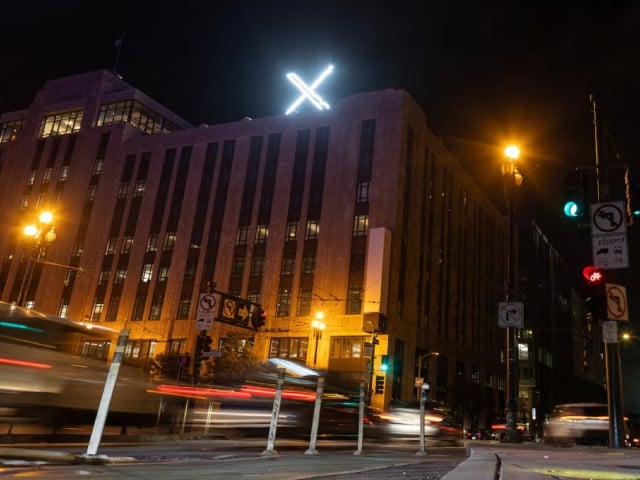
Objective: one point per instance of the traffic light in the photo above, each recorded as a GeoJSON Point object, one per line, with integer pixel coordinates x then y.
{"type": "Point", "coordinates": [632, 193]}
{"type": "Point", "coordinates": [384, 363]}
{"type": "Point", "coordinates": [574, 205]}
{"type": "Point", "coordinates": [595, 298]}
{"type": "Point", "coordinates": [206, 344]}
{"type": "Point", "coordinates": [258, 316]}
{"type": "Point", "coordinates": [379, 383]}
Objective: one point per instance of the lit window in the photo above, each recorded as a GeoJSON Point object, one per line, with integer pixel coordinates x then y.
{"type": "Point", "coordinates": [262, 232]}
{"type": "Point", "coordinates": [152, 242]}
{"type": "Point", "coordinates": [91, 193]}
{"type": "Point", "coordinates": [283, 303]}
{"type": "Point", "coordinates": [313, 230]}
{"type": "Point", "coordinates": [64, 173]}
{"type": "Point", "coordinates": [139, 188]}
{"type": "Point", "coordinates": [122, 191]}
{"type": "Point", "coordinates": [97, 167]}
{"type": "Point", "coordinates": [98, 307]}
{"type": "Point", "coordinates": [163, 274]}
{"type": "Point", "coordinates": [127, 243]}
{"type": "Point", "coordinates": [46, 177]}
{"type": "Point", "coordinates": [61, 124]}
{"type": "Point", "coordinates": [242, 235]}
{"type": "Point", "coordinates": [32, 177]}
{"type": "Point", "coordinates": [147, 271]}
{"type": "Point", "coordinates": [360, 225]}
{"type": "Point", "coordinates": [121, 276]}
{"type": "Point", "coordinates": [292, 231]}
{"type": "Point", "coordinates": [111, 246]}
{"type": "Point", "coordinates": [169, 241]}
{"type": "Point", "coordinates": [308, 264]}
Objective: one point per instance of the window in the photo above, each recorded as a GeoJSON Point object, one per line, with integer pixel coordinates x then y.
{"type": "Point", "coordinates": [139, 190]}
{"type": "Point", "coordinates": [313, 230]}
{"type": "Point", "coordinates": [254, 296]}
{"type": "Point", "coordinates": [111, 246]}
{"type": "Point", "coordinates": [156, 307]}
{"type": "Point", "coordinates": [262, 232]}
{"type": "Point", "coordinates": [121, 275]}
{"type": "Point", "coordinates": [237, 268]}
{"type": "Point", "coordinates": [40, 201]}
{"type": "Point", "coordinates": [63, 310]}
{"type": "Point", "coordinates": [242, 235]}
{"type": "Point", "coordinates": [292, 231]}
{"type": "Point", "coordinates": [61, 124]}
{"type": "Point", "coordinates": [152, 242]}
{"type": "Point", "coordinates": [289, 347]}
{"type": "Point", "coordinates": [183, 308]}
{"type": "Point", "coordinates": [358, 256]}
{"type": "Point", "coordinates": [163, 273]}
{"type": "Point", "coordinates": [169, 241]}
{"type": "Point", "coordinates": [147, 272]}
{"type": "Point", "coordinates": [97, 167]}
{"type": "Point", "coordinates": [138, 307]}
{"type": "Point", "coordinates": [362, 195]}
{"type": "Point", "coordinates": [257, 264]}
{"type": "Point", "coordinates": [46, 177]}
{"type": "Point", "coordinates": [32, 177]}
{"type": "Point", "coordinates": [288, 264]}
{"type": "Point", "coordinates": [123, 190]}
{"type": "Point", "coordinates": [112, 311]}
{"type": "Point", "coordinates": [104, 277]}
{"type": "Point", "coordinates": [283, 303]}
{"type": "Point", "coordinates": [308, 264]}
{"type": "Point", "coordinates": [78, 248]}
{"type": "Point", "coordinates": [64, 173]}
{"type": "Point", "coordinates": [304, 302]}
{"type": "Point", "coordinates": [127, 242]}
{"type": "Point", "coordinates": [91, 193]}
{"type": "Point", "coordinates": [354, 300]}
{"type": "Point", "coordinates": [346, 347]}
{"type": "Point", "coordinates": [360, 225]}
{"type": "Point", "coordinates": [10, 130]}
{"type": "Point", "coordinates": [24, 203]}
{"type": "Point", "coordinates": [96, 311]}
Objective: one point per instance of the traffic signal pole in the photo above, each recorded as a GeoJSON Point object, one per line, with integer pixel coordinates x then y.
{"type": "Point", "coordinates": [611, 349]}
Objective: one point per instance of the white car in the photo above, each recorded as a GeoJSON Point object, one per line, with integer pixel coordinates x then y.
{"type": "Point", "coordinates": [571, 423]}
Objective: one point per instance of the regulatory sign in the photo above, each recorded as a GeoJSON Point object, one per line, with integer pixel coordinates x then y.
{"type": "Point", "coordinates": [511, 314]}
{"type": "Point", "coordinates": [229, 308]}
{"type": "Point", "coordinates": [610, 331]}
{"type": "Point", "coordinates": [610, 251]}
{"type": "Point", "coordinates": [617, 307]}
{"type": "Point", "coordinates": [608, 218]}
{"type": "Point", "coordinates": [205, 313]}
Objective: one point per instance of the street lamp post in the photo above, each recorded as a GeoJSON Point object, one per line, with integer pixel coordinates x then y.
{"type": "Point", "coordinates": [318, 326]}
{"type": "Point", "coordinates": [511, 179]}
{"type": "Point", "coordinates": [42, 234]}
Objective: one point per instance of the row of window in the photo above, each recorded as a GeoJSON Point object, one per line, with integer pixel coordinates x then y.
{"type": "Point", "coordinates": [295, 348]}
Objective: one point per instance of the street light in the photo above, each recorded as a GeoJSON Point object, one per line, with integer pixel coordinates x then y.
{"type": "Point", "coordinates": [511, 180]}
{"type": "Point", "coordinates": [42, 234]}
{"type": "Point", "coordinates": [318, 326]}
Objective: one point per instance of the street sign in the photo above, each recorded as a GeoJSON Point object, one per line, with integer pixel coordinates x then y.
{"type": "Point", "coordinates": [212, 353]}
{"type": "Point", "coordinates": [617, 307]}
{"type": "Point", "coordinates": [205, 313]}
{"type": "Point", "coordinates": [610, 331]}
{"type": "Point", "coordinates": [229, 308]}
{"type": "Point", "coordinates": [511, 314]}
{"type": "Point", "coordinates": [608, 218]}
{"type": "Point", "coordinates": [610, 251]}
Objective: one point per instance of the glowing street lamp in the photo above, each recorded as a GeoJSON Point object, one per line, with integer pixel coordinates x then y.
{"type": "Point", "coordinates": [318, 326]}
{"type": "Point", "coordinates": [42, 234]}
{"type": "Point", "coordinates": [511, 179]}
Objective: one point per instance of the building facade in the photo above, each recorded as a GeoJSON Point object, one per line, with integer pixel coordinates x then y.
{"type": "Point", "coordinates": [358, 212]}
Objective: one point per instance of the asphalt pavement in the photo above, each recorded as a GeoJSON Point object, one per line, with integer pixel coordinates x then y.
{"type": "Point", "coordinates": [472, 460]}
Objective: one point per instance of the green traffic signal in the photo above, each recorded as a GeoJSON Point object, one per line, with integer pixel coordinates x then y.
{"type": "Point", "coordinates": [573, 209]}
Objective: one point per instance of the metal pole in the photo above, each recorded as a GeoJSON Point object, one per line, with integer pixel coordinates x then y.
{"type": "Point", "coordinates": [611, 350]}
{"type": "Point", "coordinates": [316, 418]}
{"type": "Point", "coordinates": [371, 369]}
{"type": "Point", "coordinates": [423, 394]}
{"type": "Point", "coordinates": [511, 434]}
{"type": "Point", "coordinates": [360, 421]}
{"type": "Point", "coordinates": [277, 399]}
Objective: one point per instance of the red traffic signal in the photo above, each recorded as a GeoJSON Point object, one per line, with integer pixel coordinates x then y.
{"type": "Point", "coordinates": [593, 274]}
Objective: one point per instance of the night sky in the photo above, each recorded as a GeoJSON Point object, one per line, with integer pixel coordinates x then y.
{"type": "Point", "coordinates": [484, 75]}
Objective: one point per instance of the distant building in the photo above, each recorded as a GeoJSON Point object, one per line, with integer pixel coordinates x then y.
{"type": "Point", "coordinates": [359, 212]}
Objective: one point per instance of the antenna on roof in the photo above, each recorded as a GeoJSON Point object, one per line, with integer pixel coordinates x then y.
{"type": "Point", "coordinates": [118, 44]}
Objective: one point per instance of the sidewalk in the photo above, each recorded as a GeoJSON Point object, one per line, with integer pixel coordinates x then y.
{"type": "Point", "coordinates": [533, 461]}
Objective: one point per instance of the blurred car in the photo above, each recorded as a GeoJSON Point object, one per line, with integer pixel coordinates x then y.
{"type": "Point", "coordinates": [404, 422]}
{"type": "Point", "coordinates": [578, 423]}
{"type": "Point", "coordinates": [476, 434]}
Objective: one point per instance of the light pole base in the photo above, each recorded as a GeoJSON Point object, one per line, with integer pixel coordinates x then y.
{"type": "Point", "coordinates": [512, 435]}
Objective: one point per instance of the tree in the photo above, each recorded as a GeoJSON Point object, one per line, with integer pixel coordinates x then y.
{"type": "Point", "coordinates": [236, 360]}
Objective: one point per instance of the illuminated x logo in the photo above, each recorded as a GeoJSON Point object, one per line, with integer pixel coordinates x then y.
{"type": "Point", "coordinates": [308, 91]}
